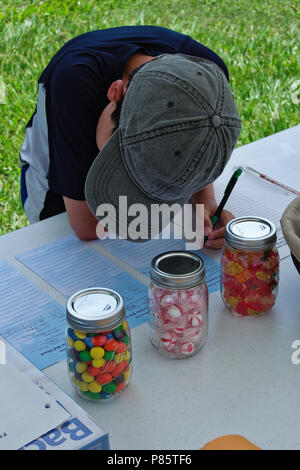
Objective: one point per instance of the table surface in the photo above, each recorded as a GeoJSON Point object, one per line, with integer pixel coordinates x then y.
{"type": "Point", "coordinates": [242, 381]}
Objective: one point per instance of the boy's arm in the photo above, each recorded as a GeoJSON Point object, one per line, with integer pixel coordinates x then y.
{"type": "Point", "coordinates": [81, 219]}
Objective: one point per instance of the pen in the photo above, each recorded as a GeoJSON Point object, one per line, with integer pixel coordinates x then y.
{"type": "Point", "coordinates": [227, 192]}
{"type": "Point", "coordinates": [271, 180]}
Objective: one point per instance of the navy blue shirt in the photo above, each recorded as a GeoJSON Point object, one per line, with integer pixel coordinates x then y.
{"type": "Point", "coordinates": [76, 82]}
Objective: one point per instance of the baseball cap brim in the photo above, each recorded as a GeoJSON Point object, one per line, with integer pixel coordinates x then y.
{"type": "Point", "coordinates": [108, 182]}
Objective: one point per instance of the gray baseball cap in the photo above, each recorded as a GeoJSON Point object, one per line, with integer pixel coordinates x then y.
{"type": "Point", "coordinates": [178, 126]}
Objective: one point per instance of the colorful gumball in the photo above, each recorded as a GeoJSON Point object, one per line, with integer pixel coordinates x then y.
{"type": "Point", "coordinates": [111, 345]}
{"type": "Point", "coordinates": [119, 368]}
{"type": "Point", "coordinates": [104, 378]}
{"type": "Point", "coordinates": [99, 340]}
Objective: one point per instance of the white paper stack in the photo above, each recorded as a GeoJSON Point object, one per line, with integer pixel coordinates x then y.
{"type": "Point", "coordinates": [36, 414]}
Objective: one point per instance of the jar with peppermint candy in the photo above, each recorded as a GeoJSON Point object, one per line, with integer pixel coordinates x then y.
{"type": "Point", "coordinates": [178, 304]}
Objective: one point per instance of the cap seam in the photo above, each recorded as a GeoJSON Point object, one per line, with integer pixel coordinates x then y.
{"type": "Point", "coordinates": [231, 121]}
{"type": "Point", "coordinates": [163, 131]}
{"type": "Point", "coordinates": [196, 157]}
{"type": "Point", "coordinates": [220, 138]}
{"type": "Point", "coordinates": [219, 134]}
{"type": "Point", "coordinates": [193, 163]}
{"type": "Point", "coordinates": [170, 129]}
{"type": "Point", "coordinates": [129, 173]}
{"type": "Point", "coordinates": [220, 100]}
{"type": "Point", "coordinates": [105, 193]}
{"type": "Point", "coordinates": [184, 84]}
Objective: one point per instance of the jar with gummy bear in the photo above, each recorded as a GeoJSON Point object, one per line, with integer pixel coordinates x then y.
{"type": "Point", "coordinates": [98, 344]}
{"type": "Point", "coordinates": [249, 266]}
{"type": "Point", "coordinates": [178, 304]}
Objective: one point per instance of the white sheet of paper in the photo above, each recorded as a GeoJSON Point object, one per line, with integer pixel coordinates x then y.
{"type": "Point", "coordinates": [283, 166]}
{"type": "Point", "coordinates": [253, 196]}
{"type": "Point", "coordinates": [254, 203]}
{"type": "Point", "coordinates": [26, 412]}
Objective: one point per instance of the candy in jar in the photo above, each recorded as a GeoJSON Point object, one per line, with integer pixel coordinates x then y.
{"type": "Point", "coordinates": [178, 304]}
{"type": "Point", "coordinates": [98, 344]}
{"type": "Point", "coordinates": [250, 266]}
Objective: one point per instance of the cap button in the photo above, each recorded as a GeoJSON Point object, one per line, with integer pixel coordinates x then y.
{"type": "Point", "coordinates": [216, 121]}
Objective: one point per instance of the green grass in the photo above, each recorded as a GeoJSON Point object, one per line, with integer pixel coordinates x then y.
{"type": "Point", "coordinates": [258, 41]}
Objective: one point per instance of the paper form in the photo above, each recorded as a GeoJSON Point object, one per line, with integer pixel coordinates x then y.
{"type": "Point", "coordinates": [26, 412]}
{"type": "Point", "coordinates": [282, 166]}
{"type": "Point", "coordinates": [29, 319]}
{"type": "Point", "coordinates": [139, 256]}
{"type": "Point", "coordinates": [69, 265]}
{"type": "Point", "coordinates": [253, 196]}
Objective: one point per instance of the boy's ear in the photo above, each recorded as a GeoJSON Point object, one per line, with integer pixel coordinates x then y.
{"type": "Point", "coordinates": [116, 91]}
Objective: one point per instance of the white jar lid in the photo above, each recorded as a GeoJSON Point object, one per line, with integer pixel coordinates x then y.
{"type": "Point", "coordinates": [95, 309]}
{"type": "Point", "coordinates": [251, 233]}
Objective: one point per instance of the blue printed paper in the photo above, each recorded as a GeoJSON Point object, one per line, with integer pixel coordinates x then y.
{"type": "Point", "coordinates": [30, 320]}
{"type": "Point", "coordinates": [69, 265]}
{"type": "Point", "coordinates": [139, 256]}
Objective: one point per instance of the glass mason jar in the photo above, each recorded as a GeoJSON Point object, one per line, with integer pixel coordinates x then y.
{"type": "Point", "coordinates": [178, 304]}
{"type": "Point", "coordinates": [249, 266]}
{"type": "Point", "coordinates": [98, 344]}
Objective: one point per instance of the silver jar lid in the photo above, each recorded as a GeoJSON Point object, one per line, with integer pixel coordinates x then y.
{"type": "Point", "coordinates": [250, 233]}
{"type": "Point", "coordinates": [177, 269]}
{"type": "Point", "coordinates": [95, 309]}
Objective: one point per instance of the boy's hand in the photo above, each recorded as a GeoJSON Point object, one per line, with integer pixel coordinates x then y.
{"type": "Point", "coordinates": [215, 235]}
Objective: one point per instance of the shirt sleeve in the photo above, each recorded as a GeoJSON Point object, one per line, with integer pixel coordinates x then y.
{"type": "Point", "coordinates": [194, 48]}
{"type": "Point", "coordinates": [75, 99]}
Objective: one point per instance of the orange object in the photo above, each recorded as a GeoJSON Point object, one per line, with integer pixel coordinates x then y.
{"type": "Point", "coordinates": [244, 276]}
{"type": "Point", "coordinates": [263, 276]}
{"type": "Point", "coordinates": [104, 378]}
{"type": "Point", "coordinates": [93, 370]}
{"type": "Point", "coordinates": [111, 345]}
{"type": "Point", "coordinates": [110, 366]}
{"type": "Point", "coordinates": [99, 340]}
{"type": "Point", "coordinates": [119, 368]}
{"type": "Point", "coordinates": [232, 268]}
{"type": "Point", "coordinates": [230, 442]}
{"type": "Point", "coordinates": [121, 348]}
{"type": "Point", "coordinates": [120, 387]}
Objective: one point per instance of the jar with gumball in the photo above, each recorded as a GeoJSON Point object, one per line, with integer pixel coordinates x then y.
{"type": "Point", "coordinates": [178, 304]}
{"type": "Point", "coordinates": [98, 343]}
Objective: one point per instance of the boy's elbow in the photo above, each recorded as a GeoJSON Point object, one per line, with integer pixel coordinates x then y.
{"type": "Point", "coordinates": [81, 219]}
{"type": "Point", "coordinates": [85, 235]}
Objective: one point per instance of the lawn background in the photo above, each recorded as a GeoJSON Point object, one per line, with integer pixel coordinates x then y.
{"type": "Point", "coordinates": [258, 40]}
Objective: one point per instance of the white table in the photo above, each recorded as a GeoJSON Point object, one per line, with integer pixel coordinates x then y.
{"type": "Point", "coordinates": [242, 382]}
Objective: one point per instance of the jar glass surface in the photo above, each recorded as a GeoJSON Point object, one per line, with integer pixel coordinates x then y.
{"type": "Point", "coordinates": [99, 363]}
{"type": "Point", "coordinates": [249, 280]}
{"type": "Point", "coordinates": [178, 319]}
